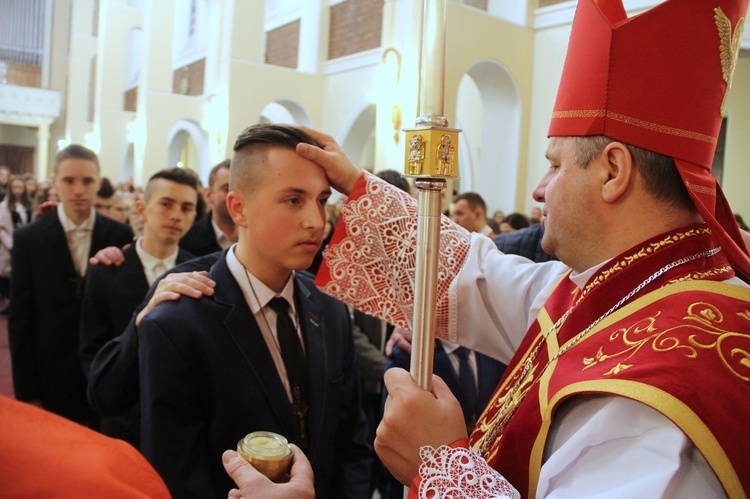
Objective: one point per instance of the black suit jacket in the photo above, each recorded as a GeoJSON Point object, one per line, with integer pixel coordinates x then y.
{"type": "Point", "coordinates": [207, 379]}
{"type": "Point", "coordinates": [525, 242]}
{"type": "Point", "coordinates": [44, 318]}
{"type": "Point", "coordinates": [113, 387]}
{"type": "Point", "coordinates": [201, 239]}
{"type": "Point", "coordinates": [110, 296]}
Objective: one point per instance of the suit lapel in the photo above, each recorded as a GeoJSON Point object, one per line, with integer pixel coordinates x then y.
{"type": "Point", "coordinates": [242, 327]}
{"type": "Point", "coordinates": [133, 277]}
{"type": "Point", "coordinates": [311, 321]}
{"type": "Point", "coordinates": [447, 372]}
{"type": "Point", "coordinates": [98, 235]}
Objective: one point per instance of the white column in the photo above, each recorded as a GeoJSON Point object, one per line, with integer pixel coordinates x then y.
{"type": "Point", "coordinates": [42, 152]}
{"type": "Point", "coordinates": [310, 37]}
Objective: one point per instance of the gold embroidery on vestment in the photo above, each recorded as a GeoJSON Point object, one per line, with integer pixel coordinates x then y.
{"type": "Point", "coordinates": [701, 332]}
{"type": "Point", "coordinates": [642, 252]}
{"type": "Point", "coordinates": [729, 48]}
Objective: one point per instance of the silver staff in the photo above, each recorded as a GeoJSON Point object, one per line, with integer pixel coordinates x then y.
{"type": "Point", "coordinates": [431, 149]}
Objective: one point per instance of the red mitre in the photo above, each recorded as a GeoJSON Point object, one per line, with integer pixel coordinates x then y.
{"type": "Point", "coordinates": [658, 81]}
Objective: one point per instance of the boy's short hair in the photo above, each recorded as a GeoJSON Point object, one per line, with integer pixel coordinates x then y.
{"type": "Point", "coordinates": [251, 146]}
{"type": "Point", "coordinates": [177, 175]}
{"type": "Point", "coordinates": [75, 151]}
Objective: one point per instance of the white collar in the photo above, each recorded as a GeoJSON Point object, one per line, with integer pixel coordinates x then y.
{"type": "Point", "coordinates": [149, 261]}
{"type": "Point", "coordinates": [257, 295]}
{"type": "Point", "coordinates": [449, 346]}
{"type": "Point", "coordinates": [68, 224]}
{"type": "Point", "coordinates": [580, 279]}
{"type": "Point", "coordinates": [218, 232]}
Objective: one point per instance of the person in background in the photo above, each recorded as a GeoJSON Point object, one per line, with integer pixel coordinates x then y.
{"type": "Point", "coordinates": [105, 198]}
{"type": "Point", "coordinates": [49, 260]}
{"type": "Point", "coordinates": [15, 211]}
{"type": "Point", "coordinates": [112, 293]}
{"type": "Point", "coordinates": [46, 200]}
{"type": "Point", "coordinates": [122, 207]}
{"type": "Point", "coordinates": [136, 224]}
{"type": "Point", "coordinates": [17, 202]}
{"type": "Point", "coordinates": [216, 230]}
{"type": "Point", "coordinates": [5, 174]}
{"type": "Point", "coordinates": [31, 186]}
{"type": "Point", "coordinates": [470, 212]}
{"type": "Point", "coordinates": [525, 242]}
{"type": "Point", "coordinates": [513, 222]}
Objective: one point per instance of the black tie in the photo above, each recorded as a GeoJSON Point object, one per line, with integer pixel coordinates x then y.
{"type": "Point", "coordinates": [468, 384]}
{"type": "Point", "coordinates": [294, 361]}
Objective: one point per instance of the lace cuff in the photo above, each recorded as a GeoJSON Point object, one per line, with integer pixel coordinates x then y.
{"type": "Point", "coordinates": [458, 472]}
{"type": "Point", "coordinates": [370, 263]}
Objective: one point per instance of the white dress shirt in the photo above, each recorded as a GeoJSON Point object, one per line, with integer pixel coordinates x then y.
{"type": "Point", "coordinates": [257, 295]}
{"type": "Point", "coordinates": [79, 238]}
{"type": "Point", "coordinates": [154, 267]}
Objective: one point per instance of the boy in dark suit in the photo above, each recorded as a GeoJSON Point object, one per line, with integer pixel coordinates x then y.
{"type": "Point", "coordinates": [113, 293]}
{"type": "Point", "coordinates": [49, 260]}
{"type": "Point", "coordinates": [267, 351]}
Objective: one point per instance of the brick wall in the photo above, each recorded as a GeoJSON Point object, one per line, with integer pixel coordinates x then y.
{"type": "Point", "coordinates": [479, 4]}
{"type": "Point", "coordinates": [188, 80]}
{"type": "Point", "coordinates": [23, 75]}
{"type": "Point", "coordinates": [130, 100]}
{"type": "Point", "coordinates": [547, 3]}
{"type": "Point", "coordinates": [356, 26]}
{"type": "Point", "coordinates": [282, 45]}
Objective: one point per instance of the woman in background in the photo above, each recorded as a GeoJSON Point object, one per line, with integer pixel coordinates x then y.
{"type": "Point", "coordinates": [15, 211]}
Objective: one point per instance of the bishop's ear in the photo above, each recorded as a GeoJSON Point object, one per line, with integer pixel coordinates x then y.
{"type": "Point", "coordinates": [617, 171]}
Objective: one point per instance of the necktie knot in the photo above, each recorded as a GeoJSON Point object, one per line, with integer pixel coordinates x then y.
{"type": "Point", "coordinates": [279, 305]}
{"type": "Point", "coordinates": [463, 353]}
{"type": "Point", "coordinates": [159, 268]}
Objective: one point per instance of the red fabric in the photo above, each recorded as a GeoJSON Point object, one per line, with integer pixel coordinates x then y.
{"type": "Point", "coordinates": [655, 81]}
{"type": "Point", "coordinates": [639, 348]}
{"type": "Point", "coordinates": [44, 455]}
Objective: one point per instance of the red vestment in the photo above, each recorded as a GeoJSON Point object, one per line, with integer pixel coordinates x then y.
{"type": "Point", "coordinates": [680, 345]}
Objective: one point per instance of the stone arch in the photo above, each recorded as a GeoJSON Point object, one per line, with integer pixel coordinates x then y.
{"type": "Point", "coordinates": [358, 137]}
{"type": "Point", "coordinates": [285, 111]}
{"type": "Point", "coordinates": [489, 112]}
{"type": "Point", "coordinates": [183, 135]}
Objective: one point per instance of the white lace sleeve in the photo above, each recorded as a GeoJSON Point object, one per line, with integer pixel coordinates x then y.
{"type": "Point", "coordinates": [372, 266]}
{"type": "Point", "coordinates": [448, 472]}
